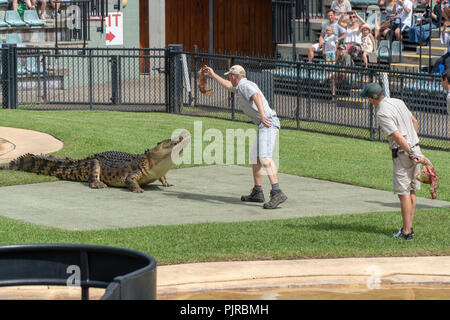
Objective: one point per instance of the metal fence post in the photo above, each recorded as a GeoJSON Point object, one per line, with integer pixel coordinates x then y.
{"type": "Point", "coordinates": [372, 128]}
{"type": "Point", "coordinates": [9, 76]}
{"type": "Point", "coordinates": [293, 34]}
{"type": "Point", "coordinates": [91, 80]}
{"type": "Point", "coordinates": [174, 74]}
{"type": "Point", "coordinates": [114, 80]}
{"type": "Point", "coordinates": [297, 111]}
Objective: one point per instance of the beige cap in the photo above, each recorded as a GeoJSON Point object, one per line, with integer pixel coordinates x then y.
{"type": "Point", "coordinates": [236, 69]}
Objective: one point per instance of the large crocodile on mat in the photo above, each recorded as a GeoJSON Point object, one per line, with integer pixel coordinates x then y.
{"type": "Point", "coordinates": [111, 168]}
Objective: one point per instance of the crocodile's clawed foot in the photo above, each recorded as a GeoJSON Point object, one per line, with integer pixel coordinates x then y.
{"type": "Point", "coordinates": [97, 185]}
{"type": "Point", "coordinates": [137, 190]}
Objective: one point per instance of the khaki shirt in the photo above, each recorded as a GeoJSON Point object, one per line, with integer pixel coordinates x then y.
{"type": "Point", "coordinates": [393, 115]}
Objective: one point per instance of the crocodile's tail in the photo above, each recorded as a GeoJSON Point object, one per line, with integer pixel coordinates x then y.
{"type": "Point", "coordinates": [63, 168]}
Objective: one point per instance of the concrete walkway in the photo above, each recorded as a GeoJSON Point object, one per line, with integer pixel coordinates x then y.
{"type": "Point", "coordinates": [199, 194]}
{"type": "Point", "coordinates": [193, 199]}
{"type": "Point", "coordinates": [16, 142]}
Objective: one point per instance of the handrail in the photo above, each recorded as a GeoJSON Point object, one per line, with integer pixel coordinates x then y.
{"type": "Point", "coordinates": [125, 273]}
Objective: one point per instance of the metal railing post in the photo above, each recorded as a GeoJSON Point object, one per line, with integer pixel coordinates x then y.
{"type": "Point", "coordinates": [9, 76]}
{"type": "Point", "coordinates": [293, 34]}
{"type": "Point", "coordinates": [175, 82]}
{"type": "Point", "coordinates": [114, 80]}
{"type": "Point", "coordinates": [91, 80]}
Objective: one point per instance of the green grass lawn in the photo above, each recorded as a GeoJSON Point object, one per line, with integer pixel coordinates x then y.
{"type": "Point", "coordinates": [346, 160]}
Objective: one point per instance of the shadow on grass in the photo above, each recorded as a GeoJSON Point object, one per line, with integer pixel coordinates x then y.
{"type": "Point", "coordinates": [397, 205]}
{"type": "Point", "coordinates": [350, 227]}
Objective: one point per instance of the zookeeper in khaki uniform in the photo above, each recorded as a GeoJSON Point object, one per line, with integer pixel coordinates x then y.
{"type": "Point", "coordinates": [400, 127]}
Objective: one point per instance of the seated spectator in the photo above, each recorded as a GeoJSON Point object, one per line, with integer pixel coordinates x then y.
{"type": "Point", "coordinates": [344, 60]}
{"type": "Point", "coordinates": [21, 5]}
{"type": "Point", "coordinates": [30, 3]}
{"type": "Point", "coordinates": [338, 31]}
{"type": "Point", "coordinates": [352, 40]}
{"type": "Point", "coordinates": [416, 3]}
{"type": "Point", "coordinates": [330, 45]}
{"type": "Point", "coordinates": [341, 7]}
{"type": "Point", "coordinates": [403, 18]}
{"type": "Point", "coordinates": [56, 8]}
{"type": "Point", "coordinates": [43, 5]}
{"type": "Point", "coordinates": [422, 31]}
{"type": "Point", "coordinates": [367, 43]}
{"type": "Point", "coordinates": [445, 78]}
{"type": "Point", "coordinates": [383, 26]}
{"type": "Point", "coordinates": [445, 59]}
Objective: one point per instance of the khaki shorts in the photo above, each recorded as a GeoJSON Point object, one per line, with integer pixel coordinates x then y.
{"type": "Point", "coordinates": [404, 174]}
{"type": "Point", "coordinates": [265, 141]}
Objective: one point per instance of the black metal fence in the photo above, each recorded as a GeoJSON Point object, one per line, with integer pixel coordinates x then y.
{"type": "Point", "coordinates": [291, 19]}
{"type": "Point", "coordinates": [325, 98]}
{"type": "Point", "coordinates": [306, 96]}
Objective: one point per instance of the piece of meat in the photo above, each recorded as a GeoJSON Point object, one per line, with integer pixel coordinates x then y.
{"type": "Point", "coordinates": [430, 177]}
{"type": "Point", "coordinates": [203, 83]}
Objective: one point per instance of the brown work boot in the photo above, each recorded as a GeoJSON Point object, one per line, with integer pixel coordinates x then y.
{"type": "Point", "coordinates": [276, 198]}
{"type": "Point", "coordinates": [255, 196]}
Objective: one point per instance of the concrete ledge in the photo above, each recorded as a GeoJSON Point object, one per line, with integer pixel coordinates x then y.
{"type": "Point", "coordinates": [176, 280]}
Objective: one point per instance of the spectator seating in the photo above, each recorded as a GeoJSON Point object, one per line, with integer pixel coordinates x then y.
{"type": "Point", "coordinates": [31, 18]}
{"type": "Point", "coordinates": [15, 38]}
{"type": "Point", "coordinates": [385, 48]}
{"type": "Point", "coordinates": [13, 19]}
{"type": "Point", "coordinates": [33, 65]}
{"type": "Point", "coordinates": [3, 23]}
{"type": "Point", "coordinates": [363, 2]}
{"type": "Point", "coordinates": [20, 68]}
{"type": "Point", "coordinates": [416, 94]}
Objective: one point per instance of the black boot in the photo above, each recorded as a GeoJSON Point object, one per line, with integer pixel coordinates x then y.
{"type": "Point", "coordinates": [276, 198]}
{"type": "Point", "coordinates": [255, 196]}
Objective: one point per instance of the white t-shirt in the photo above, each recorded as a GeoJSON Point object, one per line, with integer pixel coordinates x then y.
{"type": "Point", "coordinates": [445, 39]}
{"type": "Point", "coordinates": [393, 115]}
{"type": "Point", "coordinates": [330, 43]}
{"type": "Point", "coordinates": [245, 90]}
{"type": "Point", "coordinates": [405, 17]}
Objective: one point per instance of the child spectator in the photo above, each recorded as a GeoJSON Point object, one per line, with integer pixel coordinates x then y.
{"type": "Point", "coordinates": [330, 44]}
{"type": "Point", "coordinates": [343, 59]}
{"type": "Point", "coordinates": [367, 43]}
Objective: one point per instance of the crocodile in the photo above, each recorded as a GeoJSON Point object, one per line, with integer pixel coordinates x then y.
{"type": "Point", "coordinates": [110, 168]}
